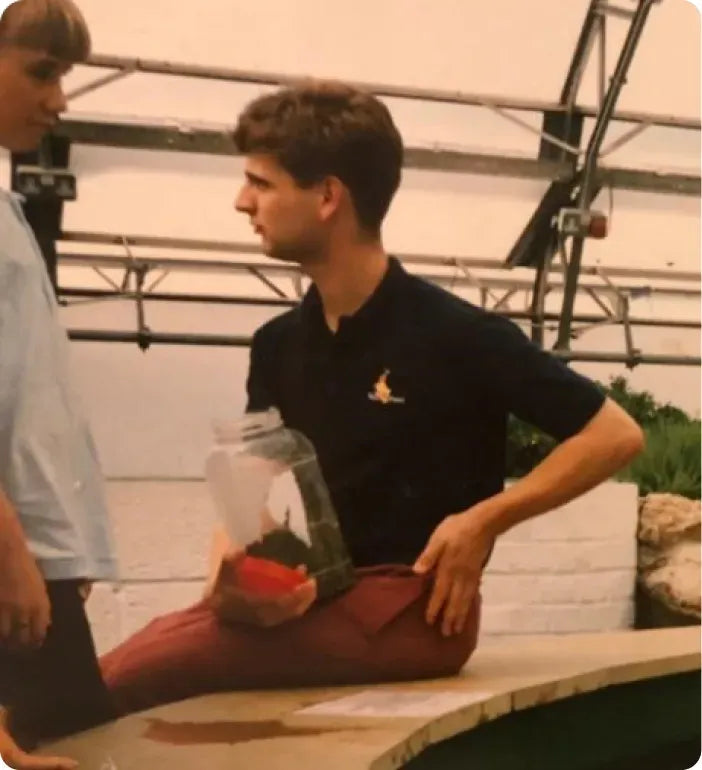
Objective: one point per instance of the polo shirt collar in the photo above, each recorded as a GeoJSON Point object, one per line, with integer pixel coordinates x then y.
{"type": "Point", "coordinates": [365, 320]}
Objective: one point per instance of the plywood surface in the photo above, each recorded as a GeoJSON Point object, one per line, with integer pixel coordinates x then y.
{"type": "Point", "coordinates": [266, 729]}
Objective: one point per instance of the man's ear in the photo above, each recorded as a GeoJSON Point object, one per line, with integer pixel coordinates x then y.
{"type": "Point", "coordinates": [333, 191]}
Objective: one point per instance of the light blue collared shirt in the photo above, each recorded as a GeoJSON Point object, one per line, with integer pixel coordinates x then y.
{"type": "Point", "coordinates": [48, 464]}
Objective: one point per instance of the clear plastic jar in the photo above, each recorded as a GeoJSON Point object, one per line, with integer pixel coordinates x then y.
{"type": "Point", "coordinates": [272, 500]}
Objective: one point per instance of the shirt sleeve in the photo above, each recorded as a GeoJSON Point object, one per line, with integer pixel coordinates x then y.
{"type": "Point", "coordinates": [533, 384]}
{"type": "Point", "coordinates": [259, 384]}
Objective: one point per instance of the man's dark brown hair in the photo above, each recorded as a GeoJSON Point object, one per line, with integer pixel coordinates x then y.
{"type": "Point", "coordinates": [319, 129]}
{"type": "Point", "coordinates": [55, 27]}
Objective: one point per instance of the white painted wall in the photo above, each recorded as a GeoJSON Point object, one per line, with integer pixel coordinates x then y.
{"type": "Point", "coordinates": [151, 411]}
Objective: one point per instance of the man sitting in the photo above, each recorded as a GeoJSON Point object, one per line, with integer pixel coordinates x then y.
{"type": "Point", "coordinates": [404, 390]}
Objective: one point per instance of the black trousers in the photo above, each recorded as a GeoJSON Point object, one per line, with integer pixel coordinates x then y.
{"type": "Point", "coordinates": [57, 689]}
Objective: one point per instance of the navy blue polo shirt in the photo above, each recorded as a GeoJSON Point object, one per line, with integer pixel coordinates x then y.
{"type": "Point", "coordinates": [407, 405]}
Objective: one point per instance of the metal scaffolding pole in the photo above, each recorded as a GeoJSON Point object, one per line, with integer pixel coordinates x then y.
{"type": "Point", "coordinates": [146, 339]}
{"type": "Point", "coordinates": [580, 58]}
{"type": "Point", "coordinates": [589, 183]}
{"type": "Point", "coordinates": [265, 272]}
{"type": "Point", "coordinates": [459, 272]}
{"type": "Point", "coordinates": [218, 141]}
{"type": "Point", "coordinates": [538, 244]}
{"type": "Point", "coordinates": [130, 64]}
{"type": "Point", "coordinates": [133, 241]}
{"type": "Point", "coordinates": [71, 297]}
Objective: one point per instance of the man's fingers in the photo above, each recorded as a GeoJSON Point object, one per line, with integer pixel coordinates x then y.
{"type": "Point", "coordinates": [54, 763]}
{"type": "Point", "coordinates": [43, 623]}
{"type": "Point", "coordinates": [457, 606]}
{"type": "Point", "coordinates": [23, 761]}
{"type": "Point", "coordinates": [451, 606]}
{"type": "Point", "coordinates": [466, 606]}
{"type": "Point", "coordinates": [309, 587]}
{"type": "Point", "coordinates": [297, 601]}
{"type": "Point", "coordinates": [278, 609]}
{"type": "Point", "coordinates": [428, 558]}
{"type": "Point", "coordinates": [306, 595]}
{"type": "Point", "coordinates": [24, 631]}
{"type": "Point", "coordinates": [36, 625]}
{"type": "Point", "coordinates": [439, 594]}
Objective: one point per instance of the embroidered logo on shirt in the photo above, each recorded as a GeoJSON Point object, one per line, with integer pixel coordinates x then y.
{"type": "Point", "coordinates": [382, 391]}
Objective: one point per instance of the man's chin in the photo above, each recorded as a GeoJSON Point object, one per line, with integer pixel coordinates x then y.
{"type": "Point", "coordinates": [23, 144]}
{"type": "Point", "coordinates": [283, 255]}
{"type": "Point", "coordinates": [27, 139]}
{"type": "Point", "coordinates": [295, 255]}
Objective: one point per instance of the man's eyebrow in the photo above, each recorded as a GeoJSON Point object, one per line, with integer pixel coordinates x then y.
{"type": "Point", "coordinates": [47, 58]}
{"type": "Point", "coordinates": [255, 178]}
{"type": "Point", "coordinates": [56, 65]}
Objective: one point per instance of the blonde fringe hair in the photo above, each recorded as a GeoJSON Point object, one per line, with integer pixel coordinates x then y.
{"type": "Point", "coordinates": [56, 27]}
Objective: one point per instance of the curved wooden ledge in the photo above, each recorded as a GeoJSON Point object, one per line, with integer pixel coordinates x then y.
{"type": "Point", "coordinates": [273, 730]}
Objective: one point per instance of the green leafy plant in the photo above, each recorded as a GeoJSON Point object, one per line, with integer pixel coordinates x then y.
{"type": "Point", "coordinates": [526, 447]}
{"type": "Point", "coordinates": [641, 405]}
{"type": "Point", "coordinates": [671, 460]}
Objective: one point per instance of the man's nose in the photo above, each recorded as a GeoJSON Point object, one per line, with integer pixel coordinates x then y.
{"type": "Point", "coordinates": [244, 202]}
{"type": "Point", "coordinates": [56, 102]}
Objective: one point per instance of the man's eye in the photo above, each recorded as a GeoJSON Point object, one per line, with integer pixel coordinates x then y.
{"type": "Point", "coordinates": [44, 72]}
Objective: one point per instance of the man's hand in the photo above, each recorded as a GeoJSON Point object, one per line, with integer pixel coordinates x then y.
{"type": "Point", "coordinates": [25, 610]}
{"type": "Point", "coordinates": [232, 604]}
{"type": "Point", "coordinates": [456, 552]}
{"type": "Point", "coordinates": [16, 758]}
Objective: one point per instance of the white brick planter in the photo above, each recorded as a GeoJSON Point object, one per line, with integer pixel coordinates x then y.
{"type": "Point", "coordinates": [162, 531]}
{"type": "Point", "coordinates": [570, 570]}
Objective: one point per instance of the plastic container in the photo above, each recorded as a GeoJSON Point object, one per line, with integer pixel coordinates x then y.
{"type": "Point", "coordinates": [272, 500]}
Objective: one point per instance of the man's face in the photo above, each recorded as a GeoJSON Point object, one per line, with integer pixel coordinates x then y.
{"type": "Point", "coordinates": [31, 98]}
{"type": "Point", "coordinates": [287, 217]}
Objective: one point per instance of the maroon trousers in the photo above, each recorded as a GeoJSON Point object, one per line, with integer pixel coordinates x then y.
{"type": "Point", "coordinates": [375, 632]}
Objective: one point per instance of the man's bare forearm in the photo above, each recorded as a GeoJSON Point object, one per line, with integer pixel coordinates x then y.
{"type": "Point", "coordinates": [607, 444]}
{"type": "Point", "coordinates": [11, 533]}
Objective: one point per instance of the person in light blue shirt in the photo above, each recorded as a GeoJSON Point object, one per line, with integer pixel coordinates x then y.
{"type": "Point", "coordinates": [54, 528]}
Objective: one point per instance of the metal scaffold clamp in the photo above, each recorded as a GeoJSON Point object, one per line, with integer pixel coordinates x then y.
{"type": "Point", "coordinates": [582, 223]}
{"type": "Point", "coordinates": [40, 182]}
